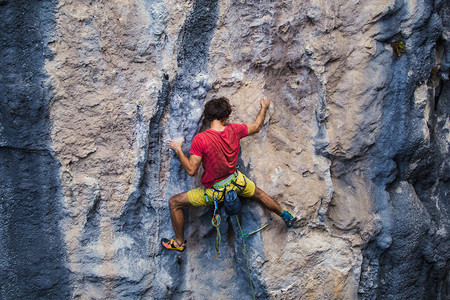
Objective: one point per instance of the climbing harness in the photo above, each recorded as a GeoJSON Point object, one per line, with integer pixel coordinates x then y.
{"type": "Point", "coordinates": [232, 205]}
{"type": "Point", "coordinates": [220, 189]}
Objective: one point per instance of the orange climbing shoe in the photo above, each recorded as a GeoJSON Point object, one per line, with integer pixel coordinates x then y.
{"type": "Point", "coordinates": [170, 245]}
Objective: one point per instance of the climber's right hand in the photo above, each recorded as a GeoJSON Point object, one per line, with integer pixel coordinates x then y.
{"type": "Point", "coordinates": [175, 145]}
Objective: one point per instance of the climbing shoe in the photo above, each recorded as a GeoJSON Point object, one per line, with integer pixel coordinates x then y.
{"type": "Point", "coordinates": [288, 218]}
{"type": "Point", "coordinates": [170, 245]}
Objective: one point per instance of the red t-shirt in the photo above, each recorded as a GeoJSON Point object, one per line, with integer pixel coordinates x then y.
{"type": "Point", "coordinates": [219, 151]}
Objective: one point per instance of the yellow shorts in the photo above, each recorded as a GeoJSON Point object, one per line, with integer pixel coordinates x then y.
{"type": "Point", "coordinates": [197, 196]}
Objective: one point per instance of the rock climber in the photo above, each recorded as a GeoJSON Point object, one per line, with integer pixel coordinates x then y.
{"type": "Point", "coordinates": [217, 149]}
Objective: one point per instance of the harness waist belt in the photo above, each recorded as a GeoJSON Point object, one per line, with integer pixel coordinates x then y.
{"type": "Point", "coordinates": [225, 182]}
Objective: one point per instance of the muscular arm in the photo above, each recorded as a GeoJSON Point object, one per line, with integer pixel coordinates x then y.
{"type": "Point", "coordinates": [257, 125]}
{"type": "Point", "coordinates": [190, 164]}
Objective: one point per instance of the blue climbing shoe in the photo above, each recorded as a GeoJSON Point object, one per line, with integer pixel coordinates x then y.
{"type": "Point", "coordinates": [288, 218]}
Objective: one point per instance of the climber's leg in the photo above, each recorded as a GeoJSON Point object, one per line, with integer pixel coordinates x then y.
{"type": "Point", "coordinates": [176, 204]}
{"type": "Point", "coordinates": [265, 200]}
{"type": "Point", "coordinates": [271, 204]}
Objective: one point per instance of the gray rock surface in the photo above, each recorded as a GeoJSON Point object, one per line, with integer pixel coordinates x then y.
{"type": "Point", "coordinates": [355, 144]}
{"type": "Point", "coordinates": [32, 247]}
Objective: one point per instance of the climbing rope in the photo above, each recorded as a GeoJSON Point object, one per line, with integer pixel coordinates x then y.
{"type": "Point", "coordinates": [245, 252]}
{"type": "Point", "coordinates": [253, 232]}
{"type": "Point", "coordinates": [221, 188]}
{"type": "Point", "coordinates": [215, 221]}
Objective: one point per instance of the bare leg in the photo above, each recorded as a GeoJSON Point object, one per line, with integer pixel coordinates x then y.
{"type": "Point", "coordinates": [176, 203]}
{"type": "Point", "coordinates": [268, 202]}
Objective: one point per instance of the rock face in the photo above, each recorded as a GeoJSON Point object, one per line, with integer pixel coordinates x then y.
{"type": "Point", "coordinates": [33, 253]}
{"type": "Point", "coordinates": [355, 144]}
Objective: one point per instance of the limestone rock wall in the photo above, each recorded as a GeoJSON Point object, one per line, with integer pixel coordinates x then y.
{"type": "Point", "coordinates": [32, 249]}
{"type": "Point", "coordinates": [355, 144]}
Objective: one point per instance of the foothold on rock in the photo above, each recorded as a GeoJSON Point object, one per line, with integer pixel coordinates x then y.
{"type": "Point", "coordinates": [399, 48]}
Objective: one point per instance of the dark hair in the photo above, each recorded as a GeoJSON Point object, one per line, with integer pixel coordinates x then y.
{"type": "Point", "coordinates": [217, 109]}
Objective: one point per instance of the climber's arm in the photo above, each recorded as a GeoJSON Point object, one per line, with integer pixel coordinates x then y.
{"type": "Point", "coordinates": [190, 164]}
{"type": "Point", "coordinates": [257, 125]}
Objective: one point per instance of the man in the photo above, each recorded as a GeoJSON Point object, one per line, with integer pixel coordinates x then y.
{"type": "Point", "coordinates": [217, 149]}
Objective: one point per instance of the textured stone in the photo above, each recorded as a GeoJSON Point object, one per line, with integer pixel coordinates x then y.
{"type": "Point", "coordinates": [355, 144]}
{"type": "Point", "coordinates": [32, 249]}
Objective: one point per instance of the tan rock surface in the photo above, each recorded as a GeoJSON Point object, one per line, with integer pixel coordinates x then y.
{"type": "Point", "coordinates": [129, 75]}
